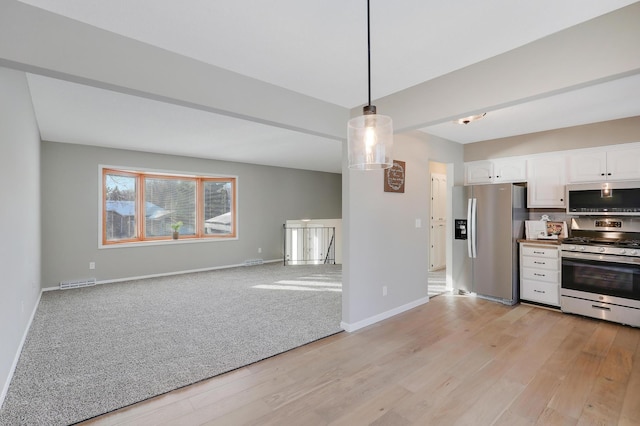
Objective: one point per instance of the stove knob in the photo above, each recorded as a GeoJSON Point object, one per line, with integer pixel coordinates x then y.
{"type": "Point", "coordinates": [601, 249]}
{"type": "Point", "coordinates": [623, 251]}
{"type": "Point", "coordinates": [633, 252]}
{"type": "Point", "coordinates": [572, 248]}
{"type": "Point", "coordinates": [581, 248]}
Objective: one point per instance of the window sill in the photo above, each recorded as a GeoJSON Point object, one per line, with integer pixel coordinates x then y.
{"type": "Point", "coordinates": [165, 242]}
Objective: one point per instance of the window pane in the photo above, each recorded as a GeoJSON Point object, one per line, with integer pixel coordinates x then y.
{"type": "Point", "coordinates": [168, 201]}
{"type": "Point", "coordinates": [218, 218]}
{"type": "Point", "coordinates": [121, 207]}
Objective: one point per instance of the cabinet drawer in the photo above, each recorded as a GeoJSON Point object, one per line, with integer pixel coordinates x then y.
{"type": "Point", "coordinates": [541, 263]}
{"type": "Point", "coordinates": [541, 275]}
{"type": "Point", "coordinates": [536, 291]}
{"type": "Point", "coordinates": [538, 251]}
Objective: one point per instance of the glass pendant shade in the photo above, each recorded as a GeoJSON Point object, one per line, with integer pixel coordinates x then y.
{"type": "Point", "coordinates": [370, 142]}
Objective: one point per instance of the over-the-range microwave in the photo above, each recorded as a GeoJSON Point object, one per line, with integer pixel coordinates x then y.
{"type": "Point", "coordinates": [604, 199]}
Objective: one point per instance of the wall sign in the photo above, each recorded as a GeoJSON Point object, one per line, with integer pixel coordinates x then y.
{"type": "Point", "coordinates": [394, 177]}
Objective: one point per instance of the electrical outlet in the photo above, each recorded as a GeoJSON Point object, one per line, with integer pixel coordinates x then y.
{"type": "Point", "coordinates": [92, 265]}
{"type": "Point", "coordinates": [384, 290]}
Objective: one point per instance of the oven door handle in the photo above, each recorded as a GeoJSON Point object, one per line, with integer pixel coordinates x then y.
{"type": "Point", "coordinates": [601, 257]}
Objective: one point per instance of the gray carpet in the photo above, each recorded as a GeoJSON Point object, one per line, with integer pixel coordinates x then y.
{"type": "Point", "coordinates": [93, 350]}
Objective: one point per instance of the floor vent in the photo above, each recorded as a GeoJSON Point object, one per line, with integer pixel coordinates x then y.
{"type": "Point", "coordinates": [252, 262]}
{"type": "Point", "coordinates": [76, 284]}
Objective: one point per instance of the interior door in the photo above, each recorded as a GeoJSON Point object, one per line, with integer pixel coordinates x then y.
{"type": "Point", "coordinates": [437, 246]}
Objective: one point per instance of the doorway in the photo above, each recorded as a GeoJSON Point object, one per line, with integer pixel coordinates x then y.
{"type": "Point", "coordinates": [438, 228]}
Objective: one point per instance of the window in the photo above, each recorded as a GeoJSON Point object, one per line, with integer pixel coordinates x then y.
{"type": "Point", "coordinates": [140, 206]}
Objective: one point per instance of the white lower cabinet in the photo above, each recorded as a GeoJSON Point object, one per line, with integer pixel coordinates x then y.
{"type": "Point", "coordinates": [540, 273]}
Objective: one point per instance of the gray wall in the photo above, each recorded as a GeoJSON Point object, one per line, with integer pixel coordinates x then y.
{"type": "Point", "coordinates": [267, 197]}
{"type": "Point", "coordinates": [20, 218]}
{"type": "Point", "coordinates": [612, 132]}
{"type": "Point", "coordinates": [382, 246]}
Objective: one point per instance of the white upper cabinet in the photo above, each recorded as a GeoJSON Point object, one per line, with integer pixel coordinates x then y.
{"type": "Point", "coordinates": [510, 170]}
{"type": "Point", "coordinates": [546, 181]}
{"type": "Point", "coordinates": [513, 169]}
{"type": "Point", "coordinates": [623, 164]}
{"type": "Point", "coordinates": [587, 167]}
{"type": "Point", "coordinates": [546, 175]}
{"type": "Point", "coordinates": [478, 172]}
{"type": "Point", "coordinates": [600, 165]}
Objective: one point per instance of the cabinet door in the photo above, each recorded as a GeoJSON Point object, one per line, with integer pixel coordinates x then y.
{"type": "Point", "coordinates": [539, 251]}
{"type": "Point", "coordinates": [545, 182]}
{"type": "Point", "coordinates": [540, 291]}
{"type": "Point", "coordinates": [511, 170]}
{"type": "Point", "coordinates": [438, 253]}
{"type": "Point", "coordinates": [587, 167]}
{"type": "Point", "coordinates": [623, 164]}
{"type": "Point", "coordinates": [478, 172]}
{"type": "Point", "coordinates": [540, 263]}
{"type": "Point", "coordinates": [438, 196]}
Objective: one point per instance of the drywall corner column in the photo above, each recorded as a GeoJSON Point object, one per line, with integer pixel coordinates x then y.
{"type": "Point", "coordinates": [20, 216]}
{"type": "Point", "coordinates": [386, 235]}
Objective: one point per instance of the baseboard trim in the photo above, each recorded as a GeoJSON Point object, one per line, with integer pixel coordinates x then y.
{"type": "Point", "coordinates": [383, 316]}
{"type": "Point", "coordinates": [14, 365]}
{"type": "Point", "coordinates": [168, 274]}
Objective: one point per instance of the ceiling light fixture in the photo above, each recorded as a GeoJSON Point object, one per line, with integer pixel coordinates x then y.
{"type": "Point", "coordinates": [370, 136]}
{"type": "Point", "coordinates": [467, 120]}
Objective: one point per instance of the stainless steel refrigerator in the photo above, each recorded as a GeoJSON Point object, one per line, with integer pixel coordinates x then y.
{"type": "Point", "coordinates": [488, 220]}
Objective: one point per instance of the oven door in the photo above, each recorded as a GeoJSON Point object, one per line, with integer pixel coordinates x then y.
{"type": "Point", "coordinates": [608, 275]}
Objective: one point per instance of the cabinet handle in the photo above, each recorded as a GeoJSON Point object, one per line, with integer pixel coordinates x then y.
{"type": "Point", "coordinates": [539, 275]}
{"type": "Point", "coordinates": [608, 174]}
{"type": "Point", "coordinates": [539, 291]}
{"type": "Point", "coordinates": [538, 252]}
{"type": "Point", "coordinates": [601, 174]}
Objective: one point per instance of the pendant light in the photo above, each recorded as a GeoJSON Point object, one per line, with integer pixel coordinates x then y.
{"type": "Point", "coordinates": [370, 136]}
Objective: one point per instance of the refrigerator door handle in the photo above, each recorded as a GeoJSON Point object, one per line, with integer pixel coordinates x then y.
{"type": "Point", "coordinates": [470, 228]}
{"type": "Point", "coordinates": [472, 221]}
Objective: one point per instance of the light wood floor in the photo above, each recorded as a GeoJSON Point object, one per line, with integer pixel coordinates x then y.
{"type": "Point", "coordinates": [454, 360]}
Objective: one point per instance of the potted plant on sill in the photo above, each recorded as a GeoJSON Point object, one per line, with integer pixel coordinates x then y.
{"type": "Point", "coordinates": [176, 229]}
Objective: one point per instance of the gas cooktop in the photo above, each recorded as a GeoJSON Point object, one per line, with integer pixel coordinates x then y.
{"type": "Point", "coordinates": [611, 236]}
{"type": "Point", "coordinates": [602, 242]}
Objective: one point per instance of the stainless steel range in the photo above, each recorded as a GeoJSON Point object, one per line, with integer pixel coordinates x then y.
{"type": "Point", "coordinates": [601, 269]}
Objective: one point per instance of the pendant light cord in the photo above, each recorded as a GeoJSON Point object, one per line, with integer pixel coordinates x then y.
{"type": "Point", "coordinates": [369, 52]}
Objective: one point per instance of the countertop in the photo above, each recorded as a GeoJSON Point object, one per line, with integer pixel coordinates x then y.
{"type": "Point", "coordinates": [549, 242]}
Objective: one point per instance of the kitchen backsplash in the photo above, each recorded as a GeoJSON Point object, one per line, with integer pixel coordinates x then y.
{"type": "Point", "coordinates": [556, 215]}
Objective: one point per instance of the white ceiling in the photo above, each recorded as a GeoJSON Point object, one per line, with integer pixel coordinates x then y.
{"type": "Point", "coordinates": [317, 49]}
